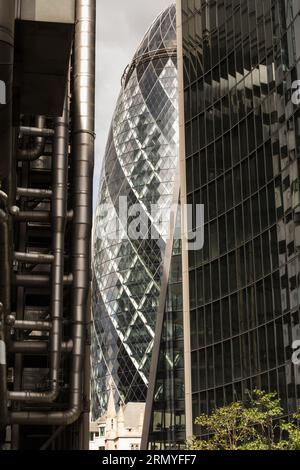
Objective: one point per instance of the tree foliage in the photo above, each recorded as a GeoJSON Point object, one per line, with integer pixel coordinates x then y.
{"type": "Point", "coordinates": [255, 425]}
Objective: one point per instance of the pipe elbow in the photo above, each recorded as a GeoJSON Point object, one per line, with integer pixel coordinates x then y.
{"type": "Point", "coordinates": [31, 155]}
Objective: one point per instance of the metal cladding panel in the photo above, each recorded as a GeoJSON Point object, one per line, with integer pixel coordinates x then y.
{"type": "Point", "coordinates": [55, 11]}
{"type": "Point", "coordinates": [42, 55]}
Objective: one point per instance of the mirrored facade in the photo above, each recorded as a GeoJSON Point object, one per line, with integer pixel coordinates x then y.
{"type": "Point", "coordinates": [241, 67]}
{"type": "Point", "coordinates": [167, 424]}
{"type": "Point", "coordinates": [242, 160]}
{"type": "Point", "coordinates": [140, 163]}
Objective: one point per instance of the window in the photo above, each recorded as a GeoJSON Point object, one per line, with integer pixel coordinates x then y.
{"type": "Point", "coordinates": [230, 230]}
{"type": "Point", "coordinates": [227, 362]}
{"type": "Point", "coordinates": [134, 446]}
{"type": "Point", "coordinates": [232, 271]}
{"type": "Point", "coordinates": [228, 190]}
{"type": "Point", "coordinates": [201, 327]}
{"type": "Point", "coordinates": [237, 184]}
{"type": "Point", "coordinates": [202, 370]}
{"type": "Point", "coordinates": [215, 280]}
{"type": "Point", "coordinates": [224, 275]}
{"type": "Point", "coordinates": [217, 322]}
{"type": "Point", "coordinates": [245, 178]}
{"type": "Point", "coordinates": [221, 196]}
{"type": "Point", "coordinates": [234, 315]}
{"type": "Point", "coordinates": [255, 215]}
{"type": "Point", "coordinates": [207, 283]}
{"type": "Point", "coordinates": [214, 244]}
{"type": "Point", "coordinates": [236, 358]}
{"type": "Point", "coordinates": [226, 319]}
{"type": "Point", "coordinates": [208, 325]}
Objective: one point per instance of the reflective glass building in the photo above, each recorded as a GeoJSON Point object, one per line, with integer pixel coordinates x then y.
{"type": "Point", "coordinates": [141, 164]}
{"type": "Point", "coordinates": [242, 149]}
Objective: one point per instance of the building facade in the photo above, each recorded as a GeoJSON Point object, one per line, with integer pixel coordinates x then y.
{"type": "Point", "coordinates": [97, 434]}
{"type": "Point", "coordinates": [119, 429]}
{"type": "Point", "coordinates": [140, 166]}
{"type": "Point", "coordinates": [47, 62]}
{"type": "Point", "coordinates": [240, 120]}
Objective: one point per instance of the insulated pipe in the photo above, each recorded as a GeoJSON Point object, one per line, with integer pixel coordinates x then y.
{"type": "Point", "coordinates": [4, 306]}
{"type": "Point", "coordinates": [36, 216]}
{"type": "Point", "coordinates": [59, 220]}
{"type": "Point", "coordinates": [34, 193]}
{"type": "Point", "coordinates": [3, 388]}
{"type": "Point", "coordinates": [37, 347]}
{"type": "Point", "coordinates": [34, 258]}
{"type": "Point", "coordinates": [83, 159]}
{"type": "Point", "coordinates": [36, 313]}
{"type": "Point", "coordinates": [83, 148]}
{"type": "Point", "coordinates": [4, 197]}
{"type": "Point", "coordinates": [37, 131]}
{"type": "Point", "coordinates": [38, 280]}
{"type": "Point", "coordinates": [7, 20]}
{"type": "Point", "coordinates": [37, 151]}
{"type": "Point", "coordinates": [30, 216]}
{"type": "Point", "coordinates": [31, 325]}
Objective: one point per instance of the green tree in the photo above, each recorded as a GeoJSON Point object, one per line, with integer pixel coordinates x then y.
{"type": "Point", "coordinates": [255, 425]}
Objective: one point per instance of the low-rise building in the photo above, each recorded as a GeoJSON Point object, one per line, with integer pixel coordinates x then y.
{"type": "Point", "coordinates": [118, 430]}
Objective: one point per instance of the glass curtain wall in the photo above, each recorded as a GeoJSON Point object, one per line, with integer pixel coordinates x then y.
{"type": "Point", "coordinates": [241, 59]}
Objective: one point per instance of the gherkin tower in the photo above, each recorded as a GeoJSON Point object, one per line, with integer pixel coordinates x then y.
{"type": "Point", "coordinates": [140, 163]}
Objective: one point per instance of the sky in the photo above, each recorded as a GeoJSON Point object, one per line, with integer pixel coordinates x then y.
{"type": "Point", "coordinates": [121, 25]}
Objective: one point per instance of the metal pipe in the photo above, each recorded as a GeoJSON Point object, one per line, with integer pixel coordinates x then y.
{"type": "Point", "coordinates": [59, 220]}
{"type": "Point", "coordinates": [37, 131]}
{"type": "Point", "coordinates": [29, 325]}
{"type": "Point", "coordinates": [3, 389]}
{"type": "Point", "coordinates": [70, 215]}
{"type": "Point", "coordinates": [36, 216]}
{"type": "Point", "coordinates": [37, 347]}
{"type": "Point", "coordinates": [34, 258]}
{"type": "Point", "coordinates": [83, 160]}
{"type": "Point", "coordinates": [3, 197]}
{"type": "Point", "coordinates": [7, 20]}
{"type": "Point", "coordinates": [39, 147]}
{"type": "Point", "coordinates": [38, 280]}
{"type": "Point", "coordinates": [4, 309]}
{"type": "Point", "coordinates": [34, 193]}
{"type": "Point", "coordinates": [30, 216]}
{"type": "Point", "coordinates": [33, 313]}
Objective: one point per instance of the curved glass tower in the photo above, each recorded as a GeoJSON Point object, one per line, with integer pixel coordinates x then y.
{"type": "Point", "coordinates": [140, 164]}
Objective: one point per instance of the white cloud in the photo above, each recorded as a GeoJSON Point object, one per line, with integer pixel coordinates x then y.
{"type": "Point", "coordinates": [121, 24]}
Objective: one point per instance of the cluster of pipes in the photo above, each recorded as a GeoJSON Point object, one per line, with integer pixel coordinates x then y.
{"type": "Point", "coordinates": [82, 79]}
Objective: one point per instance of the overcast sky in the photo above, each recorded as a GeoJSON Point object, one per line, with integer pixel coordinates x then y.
{"type": "Point", "coordinates": [121, 24]}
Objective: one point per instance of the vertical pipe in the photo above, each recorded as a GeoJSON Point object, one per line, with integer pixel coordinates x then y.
{"type": "Point", "coordinates": [82, 165]}
{"type": "Point", "coordinates": [4, 310]}
{"type": "Point", "coordinates": [3, 388]}
{"type": "Point", "coordinates": [59, 218]}
{"type": "Point", "coordinates": [7, 19]}
{"type": "Point", "coordinates": [39, 147]}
